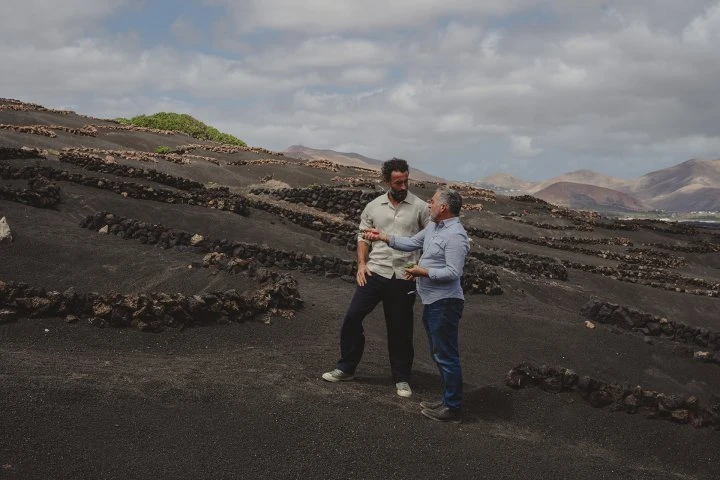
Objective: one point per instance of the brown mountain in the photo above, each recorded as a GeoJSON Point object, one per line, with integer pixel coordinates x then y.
{"type": "Point", "coordinates": [691, 185]}
{"type": "Point", "coordinates": [352, 160]}
{"type": "Point", "coordinates": [503, 182]}
{"type": "Point", "coordinates": [589, 197]}
{"type": "Point", "coordinates": [587, 177]}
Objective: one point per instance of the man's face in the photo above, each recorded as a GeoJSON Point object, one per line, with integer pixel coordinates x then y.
{"type": "Point", "coordinates": [436, 207]}
{"type": "Point", "coordinates": [398, 185]}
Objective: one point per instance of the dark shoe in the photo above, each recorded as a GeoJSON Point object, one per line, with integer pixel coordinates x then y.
{"type": "Point", "coordinates": [432, 405]}
{"type": "Point", "coordinates": [442, 414]}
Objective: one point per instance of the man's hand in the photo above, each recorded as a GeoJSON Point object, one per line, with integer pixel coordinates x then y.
{"type": "Point", "coordinates": [415, 271]}
{"type": "Point", "coordinates": [374, 235]}
{"type": "Point", "coordinates": [360, 276]}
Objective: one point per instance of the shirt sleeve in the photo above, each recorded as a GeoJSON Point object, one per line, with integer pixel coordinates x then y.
{"type": "Point", "coordinates": [408, 244]}
{"type": "Point", "coordinates": [366, 222]}
{"type": "Point", "coordinates": [456, 249]}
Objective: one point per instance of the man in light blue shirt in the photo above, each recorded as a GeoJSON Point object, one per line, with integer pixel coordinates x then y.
{"type": "Point", "coordinates": [445, 245]}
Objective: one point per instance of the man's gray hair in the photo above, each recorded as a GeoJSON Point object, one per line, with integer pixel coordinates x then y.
{"type": "Point", "coordinates": [451, 198]}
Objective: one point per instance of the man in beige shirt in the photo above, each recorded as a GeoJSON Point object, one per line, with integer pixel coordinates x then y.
{"type": "Point", "coordinates": [381, 278]}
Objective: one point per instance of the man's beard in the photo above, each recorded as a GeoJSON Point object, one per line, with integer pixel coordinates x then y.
{"type": "Point", "coordinates": [399, 195]}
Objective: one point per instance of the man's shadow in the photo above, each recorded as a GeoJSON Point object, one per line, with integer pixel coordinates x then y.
{"type": "Point", "coordinates": [481, 403]}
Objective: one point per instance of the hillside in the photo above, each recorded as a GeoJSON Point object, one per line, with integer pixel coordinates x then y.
{"type": "Point", "coordinates": [691, 185]}
{"type": "Point", "coordinates": [503, 182]}
{"type": "Point", "coordinates": [169, 316]}
{"type": "Point", "coordinates": [586, 177]}
{"type": "Point", "coordinates": [688, 186]}
{"type": "Point", "coordinates": [589, 197]}
{"type": "Point", "coordinates": [352, 160]}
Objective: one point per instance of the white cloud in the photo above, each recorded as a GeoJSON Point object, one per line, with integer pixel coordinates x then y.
{"type": "Point", "coordinates": [522, 146]}
{"type": "Point", "coordinates": [185, 32]}
{"type": "Point", "coordinates": [45, 22]}
{"type": "Point", "coordinates": [626, 84]}
{"type": "Point", "coordinates": [355, 16]}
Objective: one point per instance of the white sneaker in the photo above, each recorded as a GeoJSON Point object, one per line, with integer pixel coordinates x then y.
{"type": "Point", "coordinates": [337, 376]}
{"type": "Point", "coordinates": [403, 389]}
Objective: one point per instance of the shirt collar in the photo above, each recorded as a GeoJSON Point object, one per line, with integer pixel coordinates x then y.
{"type": "Point", "coordinates": [448, 221]}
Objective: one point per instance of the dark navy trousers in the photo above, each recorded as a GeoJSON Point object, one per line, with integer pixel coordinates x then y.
{"type": "Point", "coordinates": [441, 320]}
{"type": "Point", "coordinates": [398, 297]}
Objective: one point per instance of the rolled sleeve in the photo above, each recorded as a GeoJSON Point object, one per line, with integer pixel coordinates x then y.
{"type": "Point", "coordinates": [407, 244]}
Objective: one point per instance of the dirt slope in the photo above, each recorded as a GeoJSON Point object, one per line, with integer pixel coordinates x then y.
{"type": "Point", "coordinates": [244, 399]}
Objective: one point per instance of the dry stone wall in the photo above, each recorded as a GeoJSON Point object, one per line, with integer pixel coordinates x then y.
{"type": "Point", "coordinates": [140, 156]}
{"type": "Point", "coordinates": [327, 199]}
{"type": "Point", "coordinates": [698, 247]}
{"type": "Point", "coordinates": [475, 193]}
{"type": "Point", "coordinates": [23, 153]}
{"type": "Point", "coordinates": [30, 129]}
{"type": "Point", "coordinates": [41, 193]}
{"type": "Point", "coordinates": [213, 198]}
{"type": "Point", "coordinates": [153, 311]}
{"type": "Point", "coordinates": [131, 128]}
{"type": "Point", "coordinates": [17, 105]}
{"type": "Point", "coordinates": [234, 257]}
{"type": "Point", "coordinates": [228, 149]}
{"type": "Point", "coordinates": [98, 164]}
{"type": "Point", "coordinates": [549, 268]}
{"type": "Point", "coordinates": [649, 325]}
{"type": "Point", "coordinates": [264, 161]}
{"type": "Point", "coordinates": [619, 398]}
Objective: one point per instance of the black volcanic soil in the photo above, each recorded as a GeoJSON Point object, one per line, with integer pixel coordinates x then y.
{"type": "Point", "coordinates": [244, 400]}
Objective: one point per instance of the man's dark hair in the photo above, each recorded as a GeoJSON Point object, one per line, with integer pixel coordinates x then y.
{"type": "Point", "coordinates": [394, 165]}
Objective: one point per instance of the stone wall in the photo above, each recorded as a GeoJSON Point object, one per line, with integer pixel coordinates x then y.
{"type": "Point", "coordinates": [98, 164]}
{"type": "Point", "coordinates": [646, 324]}
{"type": "Point", "coordinates": [649, 403]}
{"type": "Point", "coordinates": [8, 153]}
{"type": "Point", "coordinates": [228, 149]}
{"type": "Point", "coordinates": [41, 193]}
{"type": "Point", "coordinates": [549, 268]}
{"type": "Point", "coordinates": [31, 129]}
{"type": "Point", "coordinates": [152, 311]}
{"type": "Point", "coordinates": [218, 198]}
{"type": "Point", "coordinates": [140, 156]}
{"type": "Point", "coordinates": [327, 199]}
{"type": "Point", "coordinates": [263, 161]}
{"type": "Point", "coordinates": [234, 257]}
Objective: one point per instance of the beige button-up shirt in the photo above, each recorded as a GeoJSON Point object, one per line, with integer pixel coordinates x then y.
{"type": "Point", "coordinates": [409, 217]}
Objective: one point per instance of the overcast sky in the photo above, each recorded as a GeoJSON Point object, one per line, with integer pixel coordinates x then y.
{"type": "Point", "coordinates": [461, 88]}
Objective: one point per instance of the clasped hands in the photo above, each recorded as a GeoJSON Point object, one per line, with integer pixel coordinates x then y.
{"type": "Point", "coordinates": [411, 270]}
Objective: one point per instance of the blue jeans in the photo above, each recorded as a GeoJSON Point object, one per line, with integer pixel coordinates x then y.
{"type": "Point", "coordinates": [441, 320]}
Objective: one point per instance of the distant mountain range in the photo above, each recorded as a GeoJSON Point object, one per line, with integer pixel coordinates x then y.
{"type": "Point", "coordinates": [353, 160]}
{"type": "Point", "coordinates": [690, 186]}
{"type": "Point", "coordinates": [693, 185]}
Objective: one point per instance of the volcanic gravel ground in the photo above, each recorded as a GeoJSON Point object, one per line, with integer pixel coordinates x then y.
{"type": "Point", "coordinates": [245, 400]}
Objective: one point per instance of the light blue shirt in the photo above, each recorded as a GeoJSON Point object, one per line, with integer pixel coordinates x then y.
{"type": "Point", "coordinates": [445, 245]}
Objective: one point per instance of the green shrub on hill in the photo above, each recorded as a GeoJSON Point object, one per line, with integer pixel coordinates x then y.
{"type": "Point", "coordinates": [185, 123]}
{"type": "Point", "coordinates": [163, 149]}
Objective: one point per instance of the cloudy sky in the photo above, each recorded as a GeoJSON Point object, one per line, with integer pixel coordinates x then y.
{"type": "Point", "coordinates": [461, 88]}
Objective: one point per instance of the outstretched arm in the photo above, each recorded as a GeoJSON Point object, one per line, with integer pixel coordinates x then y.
{"type": "Point", "coordinates": [405, 244]}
